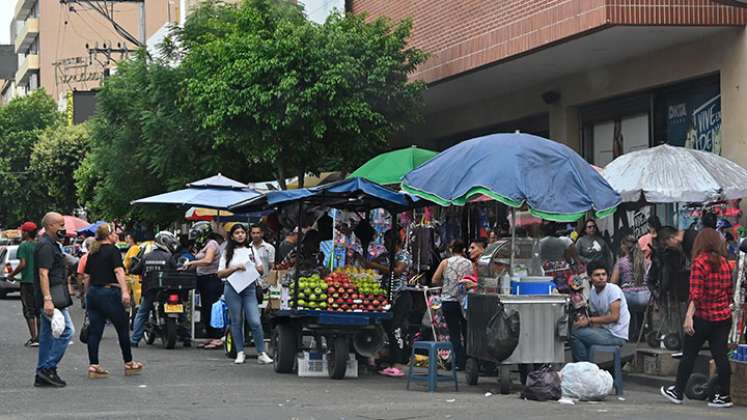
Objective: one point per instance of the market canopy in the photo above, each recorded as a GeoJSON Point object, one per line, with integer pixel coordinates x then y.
{"type": "Point", "coordinates": [669, 174]}
{"type": "Point", "coordinates": [355, 194]}
{"type": "Point", "coordinates": [517, 169]}
{"type": "Point", "coordinates": [90, 230]}
{"type": "Point", "coordinates": [389, 168]}
{"type": "Point", "coordinates": [216, 192]}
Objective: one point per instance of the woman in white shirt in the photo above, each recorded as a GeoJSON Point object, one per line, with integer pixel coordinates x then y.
{"type": "Point", "coordinates": [241, 271]}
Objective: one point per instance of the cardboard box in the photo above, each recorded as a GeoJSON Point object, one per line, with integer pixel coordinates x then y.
{"type": "Point", "coordinates": [656, 362]}
{"type": "Point", "coordinates": [312, 364]}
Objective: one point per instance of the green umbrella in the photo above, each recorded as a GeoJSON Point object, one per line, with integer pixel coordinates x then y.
{"type": "Point", "coordinates": [389, 168]}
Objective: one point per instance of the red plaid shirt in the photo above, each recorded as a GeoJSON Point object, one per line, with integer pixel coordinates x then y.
{"type": "Point", "coordinates": [710, 290]}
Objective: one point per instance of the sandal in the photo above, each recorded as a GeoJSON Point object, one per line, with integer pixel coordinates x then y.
{"type": "Point", "coordinates": [97, 372]}
{"type": "Point", "coordinates": [132, 368]}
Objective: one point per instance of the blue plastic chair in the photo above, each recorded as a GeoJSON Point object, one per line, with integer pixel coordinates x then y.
{"type": "Point", "coordinates": [618, 374]}
{"type": "Point", "coordinates": [432, 377]}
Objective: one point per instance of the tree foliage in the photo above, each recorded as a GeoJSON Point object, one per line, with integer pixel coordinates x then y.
{"type": "Point", "coordinates": [143, 144]}
{"type": "Point", "coordinates": [22, 122]}
{"type": "Point", "coordinates": [297, 95]}
{"type": "Point", "coordinates": [55, 157]}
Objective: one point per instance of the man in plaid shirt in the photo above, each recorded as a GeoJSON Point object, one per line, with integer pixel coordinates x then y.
{"type": "Point", "coordinates": [708, 316]}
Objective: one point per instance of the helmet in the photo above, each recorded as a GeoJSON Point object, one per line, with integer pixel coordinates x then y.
{"type": "Point", "coordinates": [166, 241]}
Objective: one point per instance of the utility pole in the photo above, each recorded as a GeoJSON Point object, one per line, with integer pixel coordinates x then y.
{"type": "Point", "coordinates": [142, 22]}
{"type": "Point", "coordinates": [101, 7]}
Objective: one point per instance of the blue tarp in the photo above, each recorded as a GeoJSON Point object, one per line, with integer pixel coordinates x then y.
{"type": "Point", "coordinates": [90, 230]}
{"type": "Point", "coordinates": [516, 169]}
{"type": "Point", "coordinates": [349, 194]}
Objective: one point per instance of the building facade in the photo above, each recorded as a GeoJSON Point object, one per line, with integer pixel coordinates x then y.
{"type": "Point", "coordinates": [603, 76]}
{"type": "Point", "coordinates": [69, 46]}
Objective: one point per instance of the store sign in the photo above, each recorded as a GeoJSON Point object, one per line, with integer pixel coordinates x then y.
{"type": "Point", "coordinates": [693, 118]}
{"type": "Point", "coordinates": [76, 70]}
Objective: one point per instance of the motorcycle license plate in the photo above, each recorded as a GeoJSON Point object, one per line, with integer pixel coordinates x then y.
{"type": "Point", "coordinates": [173, 309]}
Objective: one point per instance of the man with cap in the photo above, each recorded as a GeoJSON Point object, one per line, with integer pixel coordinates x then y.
{"type": "Point", "coordinates": [26, 268]}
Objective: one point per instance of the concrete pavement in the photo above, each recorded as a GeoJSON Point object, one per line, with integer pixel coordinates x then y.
{"type": "Point", "coordinates": [196, 383]}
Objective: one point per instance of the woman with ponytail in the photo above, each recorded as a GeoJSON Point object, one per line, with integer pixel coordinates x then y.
{"type": "Point", "coordinates": [708, 316]}
{"type": "Point", "coordinates": [107, 297]}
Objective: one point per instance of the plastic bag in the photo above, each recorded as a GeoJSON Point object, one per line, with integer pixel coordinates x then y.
{"type": "Point", "coordinates": [502, 334]}
{"type": "Point", "coordinates": [217, 319]}
{"type": "Point", "coordinates": [542, 385]}
{"type": "Point", "coordinates": [585, 381]}
{"type": "Point", "coordinates": [58, 323]}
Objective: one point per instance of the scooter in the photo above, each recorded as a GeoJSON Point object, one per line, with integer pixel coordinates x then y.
{"type": "Point", "coordinates": [169, 308]}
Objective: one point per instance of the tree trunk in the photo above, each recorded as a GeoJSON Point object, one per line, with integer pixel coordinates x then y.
{"type": "Point", "coordinates": [301, 179]}
{"type": "Point", "coordinates": [281, 176]}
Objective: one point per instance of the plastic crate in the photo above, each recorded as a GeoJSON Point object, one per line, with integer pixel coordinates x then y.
{"type": "Point", "coordinates": [532, 288]}
{"type": "Point", "coordinates": [313, 364]}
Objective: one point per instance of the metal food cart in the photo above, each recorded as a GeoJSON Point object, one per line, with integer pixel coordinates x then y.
{"type": "Point", "coordinates": [544, 319]}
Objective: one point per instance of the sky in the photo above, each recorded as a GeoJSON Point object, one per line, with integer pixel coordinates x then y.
{"type": "Point", "coordinates": [7, 7]}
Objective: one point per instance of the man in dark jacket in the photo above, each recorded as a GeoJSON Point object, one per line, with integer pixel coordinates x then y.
{"type": "Point", "coordinates": [161, 258]}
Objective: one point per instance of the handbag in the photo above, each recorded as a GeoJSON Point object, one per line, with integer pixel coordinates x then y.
{"type": "Point", "coordinates": [60, 296]}
{"type": "Point", "coordinates": [84, 329]}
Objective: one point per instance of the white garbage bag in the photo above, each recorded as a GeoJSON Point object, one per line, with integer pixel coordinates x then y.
{"type": "Point", "coordinates": [58, 323]}
{"type": "Point", "coordinates": [585, 381]}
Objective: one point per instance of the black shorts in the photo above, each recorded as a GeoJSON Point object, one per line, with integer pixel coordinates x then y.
{"type": "Point", "coordinates": [28, 300]}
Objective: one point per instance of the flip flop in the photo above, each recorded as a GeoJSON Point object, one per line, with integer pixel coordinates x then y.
{"type": "Point", "coordinates": [392, 372]}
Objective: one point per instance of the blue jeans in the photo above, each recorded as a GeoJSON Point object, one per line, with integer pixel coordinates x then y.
{"type": "Point", "coordinates": [52, 349]}
{"type": "Point", "coordinates": [143, 311]}
{"type": "Point", "coordinates": [583, 338]}
{"type": "Point", "coordinates": [244, 303]}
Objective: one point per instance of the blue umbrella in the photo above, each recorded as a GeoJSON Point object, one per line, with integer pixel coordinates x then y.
{"type": "Point", "coordinates": [349, 194]}
{"type": "Point", "coordinates": [516, 169]}
{"type": "Point", "coordinates": [217, 192]}
{"type": "Point", "coordinates": [90, 230]}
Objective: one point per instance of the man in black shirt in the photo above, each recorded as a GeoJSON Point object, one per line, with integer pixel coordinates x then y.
{"type": "Point", "coordinates": [159, 259]}
{"type": "Point", "coordinates": [51, 275]}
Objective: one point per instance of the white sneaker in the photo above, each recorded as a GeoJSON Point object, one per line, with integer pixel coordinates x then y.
{"type": "Point", "coordinates": [264, 359]}
{"type": "Point", "coordinates": [240, 358]}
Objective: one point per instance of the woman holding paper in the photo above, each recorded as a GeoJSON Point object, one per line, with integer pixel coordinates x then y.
{"type": "Point", "coordinates": [241, 270]}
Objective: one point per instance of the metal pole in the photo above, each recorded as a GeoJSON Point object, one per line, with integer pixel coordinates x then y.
{"type": "Point", "coordinates": [142, 22]}
{"type": "Point", "coordinates": [513, 238]}
{"type": "Point", "coordinates": [392, 255]}
{"type": "Point", "coordinates": [297, 274]}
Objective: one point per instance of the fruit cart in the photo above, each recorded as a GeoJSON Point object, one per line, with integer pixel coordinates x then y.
{"type": "Point", "coordinates": [342, 311]}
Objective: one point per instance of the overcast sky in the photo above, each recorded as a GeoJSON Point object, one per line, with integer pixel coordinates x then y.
{"type": "Point", "coordinates": [7, 7]}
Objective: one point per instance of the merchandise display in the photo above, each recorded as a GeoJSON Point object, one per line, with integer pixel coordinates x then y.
{"type": "Point", "coordinates": [345, 290]}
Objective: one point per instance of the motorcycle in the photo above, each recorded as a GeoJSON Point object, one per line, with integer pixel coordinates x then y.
{"type": "Point", "coordinates": [169, 306]}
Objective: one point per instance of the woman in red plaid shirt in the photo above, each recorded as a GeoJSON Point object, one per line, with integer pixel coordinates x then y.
{"type": "Point", "coordinates": [708, 316]}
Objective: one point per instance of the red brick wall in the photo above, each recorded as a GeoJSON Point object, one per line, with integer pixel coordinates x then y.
{"type": "Point", "coordinates": [462, 35]}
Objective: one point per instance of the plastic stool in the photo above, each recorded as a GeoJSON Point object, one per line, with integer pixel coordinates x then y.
{"type": "Point", "coordinates": [618, 374]}
{"type": "Point", "coordinates": [432, 377]}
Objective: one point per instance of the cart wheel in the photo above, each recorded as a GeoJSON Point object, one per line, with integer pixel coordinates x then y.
{"type": "Point", "coordinates": [653, 340]}
{"type": "Point", "coordinates": [284, 343]}
{"type": "Point", "coordinates": [672, 341]}
{"type": "Point", "coordinates": [472, 371]}
{"type": "Point", "coordinates": [169, 336]}
{"type": "Point", "coordinates": [228, 346]}
{"type": "Point", "coordinates": [504, 379]}
{"type": "Point", "coordinates": [697, 388]}
{"type": "Point", "coordinates": [337, 358]}
{"type": "Point", "coordinates": [149, 334]}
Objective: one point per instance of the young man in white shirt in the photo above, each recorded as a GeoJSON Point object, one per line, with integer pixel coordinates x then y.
{"type": "Point", "coordinates": [264, 253]}
{"type": "Point", "coordinates": [608, 325]}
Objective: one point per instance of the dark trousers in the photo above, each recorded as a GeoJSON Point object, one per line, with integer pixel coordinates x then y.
{"type": "Point", "coordinates": [457, 326]}
{"type": "Point", "coordinates": [717, 335]}
{"type": "Point", "coordinates": [397, 329]}
{"type": "Point", "coordinates": [101, 304]}
{"type": "Point", "coordinates": [210, 288]}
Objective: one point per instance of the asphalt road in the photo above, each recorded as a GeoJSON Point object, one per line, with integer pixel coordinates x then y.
{"type": "Point", "coordinates": [196, 383]}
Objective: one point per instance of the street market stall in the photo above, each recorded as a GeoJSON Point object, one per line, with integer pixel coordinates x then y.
{"type": "Point", "coordinates": [676, 175]}
{"type": "Point", "coordinates": [332, 308]}
{"type": "Point", "coordinates": [518, 170]}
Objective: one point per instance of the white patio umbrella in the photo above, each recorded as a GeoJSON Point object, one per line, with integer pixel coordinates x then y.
{"type": "Point", "coordinates": [668, 174]}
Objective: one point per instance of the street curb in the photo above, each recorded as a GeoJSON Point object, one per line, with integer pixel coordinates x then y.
{"type": "Point", "coordinates": [648, 380]}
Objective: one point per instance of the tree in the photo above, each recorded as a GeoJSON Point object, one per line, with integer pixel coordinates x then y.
{"type": "Point", "coordinates": [22, 121]}
{"type": "Point", "coordinates": [297, 95]}
{"type": "Point", "coordinates": [143, 144]}
{"type": "Point", "coordinates": [56, 155]}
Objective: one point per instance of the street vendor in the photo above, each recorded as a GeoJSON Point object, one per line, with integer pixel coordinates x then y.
{"type": "Point", "coordinates": [609, 320]}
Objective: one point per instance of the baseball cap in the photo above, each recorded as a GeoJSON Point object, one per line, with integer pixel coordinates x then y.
{"type": "Point", "coordinates": [28, 227]}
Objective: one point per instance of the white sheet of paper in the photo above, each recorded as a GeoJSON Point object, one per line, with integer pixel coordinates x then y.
{"type": "Point", "coordinates": [240, 280]}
